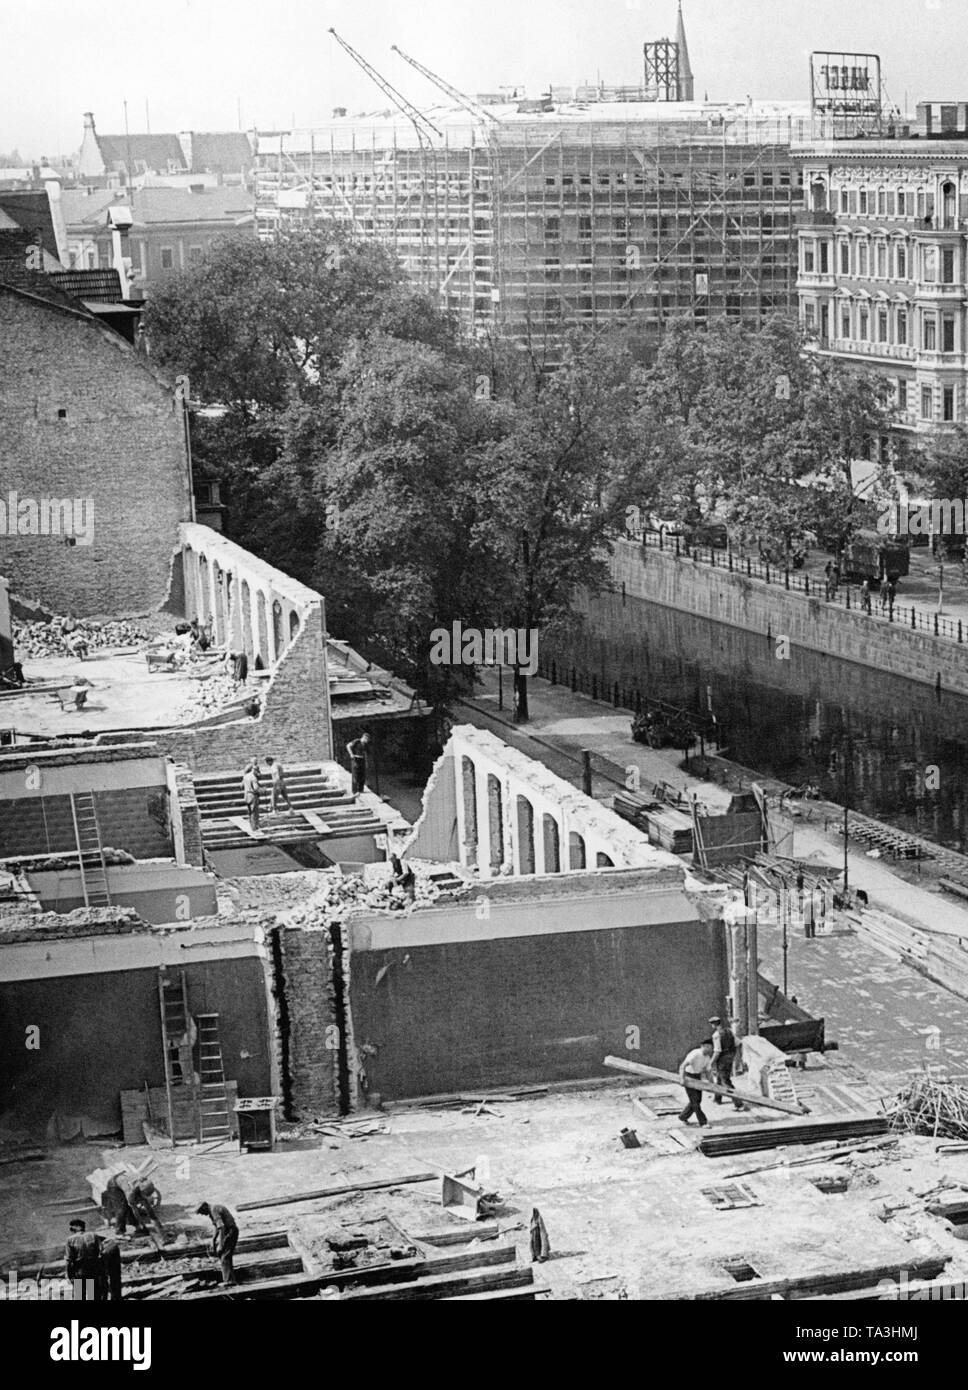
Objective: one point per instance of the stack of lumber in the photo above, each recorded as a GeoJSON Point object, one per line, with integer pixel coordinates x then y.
{"type": "Point", "coordinates": [670, 830]}
{"type": "Point", "coordinates": [889, 841]}
{"type": "Point", "coordinates": [634, 807]}
{"type": "Point", "coordinates": [768, 1136]}
{"type": "Point", "coordinates": [938, 954]}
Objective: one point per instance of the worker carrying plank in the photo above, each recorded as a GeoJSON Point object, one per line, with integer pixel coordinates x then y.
{"type": "Point", "coordinates": [225, 1239]}
{"type": "Point", "coordinates": [697, 1065]}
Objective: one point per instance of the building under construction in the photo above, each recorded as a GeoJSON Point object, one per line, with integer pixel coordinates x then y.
{"type": "Point", "coordinates": [587, 206]}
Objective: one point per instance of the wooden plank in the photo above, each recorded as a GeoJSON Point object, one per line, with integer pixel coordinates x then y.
{"type": "Point", "coordinates": [196, 1249]}
{"type": "Point", "coordinates": [641, 1105]}
{"type": "Point", "coordinates": [526, 1293]}
{"type": "Point", "coordinates": [824, 1281]}
{"type": "Point", "coordinates": [463, 1235]}
{"type": "Point", "coordinates": [747, 1097]}
{"type": "Point", "coordinates": [321, 1192]}
{"type": "Point", "coordinates": [932, 1290]}
{"type": "Point", "coordinates": [445, 1285]}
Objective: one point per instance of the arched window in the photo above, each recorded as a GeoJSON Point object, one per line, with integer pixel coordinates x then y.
{"type": "Point", "coordinates": [602, 861]}
{"type": "Point", "coordinates": [576, 850]}
{"type": "Point", "coordinates": [818, 195]}
{"type": "Point", "coordinates": [468, 778]}
{"type": "Point", "coordinates": [949, 205]}
{"type": "Point", "coordinates": [552, 844]}
{"type": "Point", "coordinates": [495, 820]}
{"type": "Point", "coordinates": [525, 813]}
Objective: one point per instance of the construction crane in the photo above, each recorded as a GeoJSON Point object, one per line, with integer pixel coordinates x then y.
{"type": "Point", "coordinates": [475, 109]}
{"type": "Point", "coordinates": [417, 119]}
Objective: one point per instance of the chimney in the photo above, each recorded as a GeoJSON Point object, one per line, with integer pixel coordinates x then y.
{"type": "Point", "coordinates": [89, 120]}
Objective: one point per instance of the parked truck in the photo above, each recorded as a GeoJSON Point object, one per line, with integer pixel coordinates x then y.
{"type": "Point", "coordinates": [870, 555]}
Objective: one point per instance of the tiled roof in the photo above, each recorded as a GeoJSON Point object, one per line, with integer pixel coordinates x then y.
{"type": "Point", "coordinates": [155, 152]}
{"type": "Point", "coordinates": [220, 152]}
{"type": "Point", "coordinates": [157, 206]}
{"type": "Point", "coordinates": [103, 286]}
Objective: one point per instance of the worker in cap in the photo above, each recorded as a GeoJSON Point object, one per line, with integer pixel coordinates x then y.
{"type": "Point", "coordinates": [724, 1057]}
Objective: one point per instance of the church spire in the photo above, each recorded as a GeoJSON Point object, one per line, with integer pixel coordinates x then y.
{"type": "Point", "coordinates": [685, 71]}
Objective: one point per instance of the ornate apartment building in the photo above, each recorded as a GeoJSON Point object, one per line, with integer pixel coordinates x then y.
{"type": "Point", "coordinates": [883, 276]}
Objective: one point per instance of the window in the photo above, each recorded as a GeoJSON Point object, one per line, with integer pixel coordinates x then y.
{"type": "Point", "coordinates": [902, 328]}
{"type": "Point", "coordinates": [948, 265]}
{"type": "Point", "coordinates": [882, 325]}
{"type": "Point", "coordinates": [621, 228]}
{"type": "Point", "coordinates": [947, 332]}
{"type": "Point", "coordinates": [926, 403]}
{"type": "Point", "coordinates": [890, 202]}
{"type": "Point", "coordinates": [845, 323]}
{"type": "Point", "coordinates": [552, 268]}
{"type": "Point", "coordinates": [902, 262]}
{"type": "Point", "coordinates": [749, 180]}
{"type": "Point", "coordinates": [862, 258]}
{"type": "Point", "coordinates": [167, 258]}
{"type": "Point", "coordinates": [73, 260]}
{"type": "Point", "coordinates": [766, 180]}
{"type": "Point", "coordinates": [902, 203]}
{"type": "Point", "coordinates": [194, 254]}
{"type": "Point", "coordinates": [881, 260]}
{"type": "Point", "coordinates": [852, 196]}
{"type": "Point", "coordinates": [784, 178]}
{"type": "Point", "coordinates": [929, 263]}
{"type": "Point", "coordinates": [809, 317]}
{"type": "Point", "coordinates": [584, 229]}
{"type": "Point", "coordinates": [92, 260]}
{"type": "Point", "coordinates": [948, 403]}
{"type": "Point", "coordinates": [824, 257]}
{"type": "Point", "coordinates": [862, 199]}
{"type": "Point", "coordinates": [862, 320]}
{"type": "Point", "coordinates": [844, 200]}
{"type": "Point", "coordinates": [901, 394]}
{"type": "Point", "coordinates": [930, 334]}
{"type": "Point", "coordinates": [845, 258]}
{"type": "Point", "coordinates": [808, 260]}
{"type": "Point", "coordinates": [552, 229]}
{"type": "Point", "coordinates": [881, 202]}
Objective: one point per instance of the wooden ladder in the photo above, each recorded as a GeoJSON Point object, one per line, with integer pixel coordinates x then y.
{"type": "Point", "coordinates": [213, 1107]}
{"type": "Point", "coordinates": [175, 1024]}
{"type": "Point", "coordinates": [90, 852]}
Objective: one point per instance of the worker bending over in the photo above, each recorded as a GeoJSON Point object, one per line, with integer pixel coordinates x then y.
{"type": "Point", "coordinates": [225, 1239]}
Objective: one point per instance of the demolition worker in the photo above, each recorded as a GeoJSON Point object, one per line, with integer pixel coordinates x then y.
{"type": "Point", "coordinates": [111, 1267]}
{"type": "Point", "coordinates": [82, 1255]}
{"type": "Point", "coordinates": [696, 1066]}
{"type": "Point", "coordinates": [724, 1058]}
{"type": "Point", "coordinates": [225, 1239]}
{"type": "Point", "coordinates": [356, 749]}
{"type": "Point", "coordinates": [144, 1201]}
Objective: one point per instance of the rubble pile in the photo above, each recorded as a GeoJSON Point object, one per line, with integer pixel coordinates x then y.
{"type": "Point", "coordinates": [370, 892]}
{"type": "Point", "coordinates": [60, 636]}
{"type": "Point", "coordinates": [932, 1106]}
{"type": "Point", "coordinates": [210, 694]}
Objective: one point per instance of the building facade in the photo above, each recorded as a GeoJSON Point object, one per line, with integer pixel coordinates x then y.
{"type": "Point", "coordinates": [883, 275]}
{"type": "Point", "coordinates": [595, 211]}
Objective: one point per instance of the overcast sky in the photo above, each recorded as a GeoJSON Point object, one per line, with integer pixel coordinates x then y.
{"type": "Point", "coordinates": [195, 61]}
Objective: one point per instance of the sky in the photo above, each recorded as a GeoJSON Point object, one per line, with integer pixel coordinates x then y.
{"type": "Point", "coordinates": [200, 64]}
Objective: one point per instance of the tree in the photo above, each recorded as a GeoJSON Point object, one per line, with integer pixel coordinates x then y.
{"type": "Point", "coordinates": [752, 426]}
{"type": "Point", "coordinates": [261, 329]}
{"type": "Point", "coordinates": [555, 487]}
{"type": "Point", "coordinates": [402, 560]}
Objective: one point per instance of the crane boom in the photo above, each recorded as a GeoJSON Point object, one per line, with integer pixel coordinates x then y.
{"type": "Point", "coordinates": [479, 112]}
{"type": "Point", "coordinates": [417, 119]}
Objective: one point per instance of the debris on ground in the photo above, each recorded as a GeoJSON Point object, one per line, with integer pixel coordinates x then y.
{"type": "Point", "coordinates": [62, 636]}
{"type": "Point", "coordinates": [932, 1106]}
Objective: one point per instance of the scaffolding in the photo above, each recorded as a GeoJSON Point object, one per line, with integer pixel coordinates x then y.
{"type": "Point", "coordinates": [598, 214]}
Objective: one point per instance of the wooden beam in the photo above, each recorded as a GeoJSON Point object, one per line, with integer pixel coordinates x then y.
{"type": "Point", "coordinates": [321, 1192]}
{"type": "Point", "coordinates": [446, 1285]}
{"type": "Point", "coordinates": [824, 1281]}
{"type": "Point", "coordinates": [747, 1097]}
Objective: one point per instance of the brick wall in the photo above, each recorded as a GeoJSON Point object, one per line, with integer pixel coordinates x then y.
{"type": "Point", "coordinates": [310, 1055]}
{"type": "Point", "coordinates": [129, 818]}
{"type": "Point", "coordinates": [292, 725]}
{"type": "Point", "coordinates": [121, 443]}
